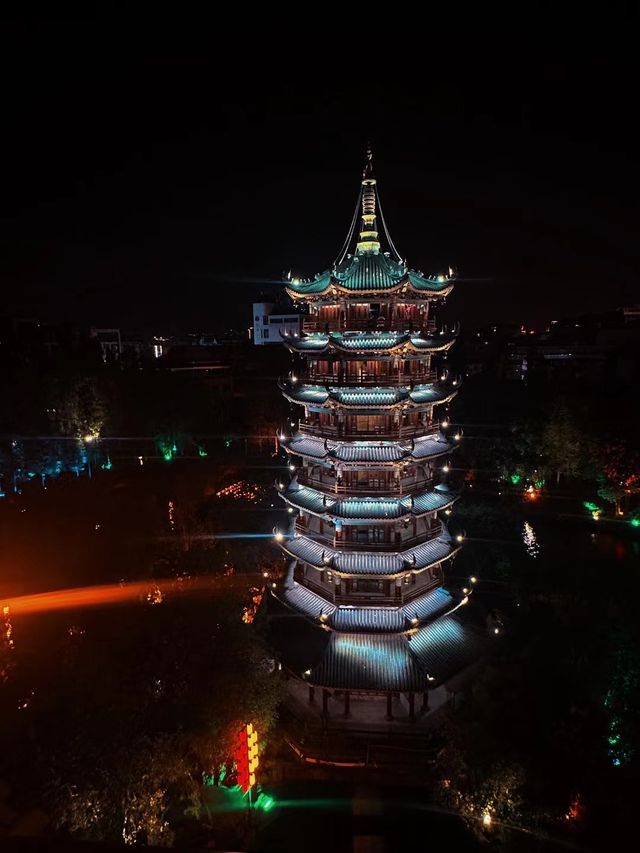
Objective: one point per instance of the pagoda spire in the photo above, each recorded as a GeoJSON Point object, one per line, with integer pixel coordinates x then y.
{"type": "Point", "coordinates": [368, 242]}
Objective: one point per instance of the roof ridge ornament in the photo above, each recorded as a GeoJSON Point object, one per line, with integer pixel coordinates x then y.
{"type": "Point", "coordinates": [368, 242]}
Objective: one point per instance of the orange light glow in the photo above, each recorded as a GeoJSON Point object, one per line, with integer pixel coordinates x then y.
{"type": "Point", "coordinates": [152, 592]}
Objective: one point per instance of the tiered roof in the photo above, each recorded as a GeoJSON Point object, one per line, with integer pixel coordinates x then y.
{"type": "Point", "coordinates": [327, 397]}
{"type": "Point", "coordinates": [369, 342]}
{"type": "Point", "coordinates": [367, 272]}
{"type": "Point", "coordinates": [371, 563]}
{"type": "Point", "coordinates": [374, 453]}
{"type": "Point", "coordinates": [358, 510]}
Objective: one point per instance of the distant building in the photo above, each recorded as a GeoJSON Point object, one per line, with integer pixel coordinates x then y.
{"type": "Point", "coordinates": [110, 343]}
{"type": "Point", "coordinates": [267, 323]}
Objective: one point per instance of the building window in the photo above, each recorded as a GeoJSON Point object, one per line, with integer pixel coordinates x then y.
{"type": "Point", "coordinates": [369, 586]}
{"type": "Point", "coordinates": [265, 334]}
{"type": "Point", "coordinates": [257, 319]}
{"type": "Point", "coordinates": [265, 320]}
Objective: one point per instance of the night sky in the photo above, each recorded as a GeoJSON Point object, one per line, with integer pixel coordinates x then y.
{"type": "Point", "coordinates": [159, 186]}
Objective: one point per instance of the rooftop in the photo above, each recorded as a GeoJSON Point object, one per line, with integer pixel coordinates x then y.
{"type": "Point", "coordinates": [373, 452]}
{"type": "Point", "coordinates": [371, 563]}
{"type": "Point", "coordinates": [357, 510]}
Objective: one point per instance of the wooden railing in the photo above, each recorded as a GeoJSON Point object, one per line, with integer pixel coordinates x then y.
{"type": "Point", "coordinates": [381, 324]}
{"type": "Point", "coordinates": [341, 432]}
{"type": "Point", "coordinates": [345, 380]}
{"type": "Point", "coordinates": [346, 545]}
{"type": "Point", "coordinates": [395, 489]}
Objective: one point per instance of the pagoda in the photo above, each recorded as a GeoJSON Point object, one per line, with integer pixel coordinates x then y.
{"type": "Point", "coordinates": [368, 496]}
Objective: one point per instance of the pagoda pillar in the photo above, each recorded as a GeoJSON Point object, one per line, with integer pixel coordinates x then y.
{"type": "Point", "coordinates": [312, 694]}
{"type": "Point", "coordinates": [347, 703]}
{"type": "Point", "coordinates": [425, 702]}
{"type": "Point", "coordinates": [325, 702]}
{"type": "Point", "coordinates": [412, 707]}
{"type": "Point", "coordinates": [389, 715]}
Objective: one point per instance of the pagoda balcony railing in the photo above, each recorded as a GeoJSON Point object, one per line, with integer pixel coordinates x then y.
{"type": "Point", "coordinates": [340, 544]}
{"type": "Point", "coordinates": [381, 324]}
{"type": "Point", "coordinates": [411, 592]}
{"type": "Point", "coordinates": [377, 487]}
{"type": "Point", "coordinates": [323, 590]}
{"type": "Point", "coordinates": [372, 379]}
{"type": "Point", "coordinates": [396, 433]}
{"type": "Point", "coordinates": [331, 592]}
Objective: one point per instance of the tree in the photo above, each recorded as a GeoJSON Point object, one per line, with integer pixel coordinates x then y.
{"type": "Point", "coordinates": [618, 471]}
{"type": "Point", "coordinates": [562, 443]}
{"type": "Point", "coordinates": [79, 407]}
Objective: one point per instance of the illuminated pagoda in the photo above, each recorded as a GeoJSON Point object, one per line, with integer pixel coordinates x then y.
{"type": "Point", "coordinates": [368, 494]}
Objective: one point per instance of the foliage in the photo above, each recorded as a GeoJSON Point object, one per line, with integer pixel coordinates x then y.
{"type": "Point", "coordinates": [618, 470]}
{"type": "Point", "coordinates": [129, 722]}
{"type": "Point", "coordinates": [79, 407]}
{"type": "Point", "coordinates": [562, 444]}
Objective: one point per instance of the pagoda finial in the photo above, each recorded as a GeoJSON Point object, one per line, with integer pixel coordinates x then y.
{"type": "Point", "coordinates": [367, 172]}
{"type": "Point", "coordinates": [368, 242]}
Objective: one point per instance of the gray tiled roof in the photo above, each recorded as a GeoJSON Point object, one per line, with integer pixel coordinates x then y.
{"type": "Point", "coordinates": [371, 562]}
{"type": "Point", "coordinates": [367, 508]}
{"type": "Point", "coordinates": [305, 601]}
{"type": "Point", "coordinates": [373, 619]}
{"type": "Point", "coordinates": [367, 451]}
{"type": "Point", "coordinates": [443, 647]}
{"type": "Point", "coordinates": [429, 605]}
{"type": "Point", "coordinates": [368, 662]}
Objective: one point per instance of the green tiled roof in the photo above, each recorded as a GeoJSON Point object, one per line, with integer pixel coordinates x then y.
{"type": "Point", "coordinates": [432, 283]}
{"type": "Point", "coordinates": [369, 272]}
{"type": "Point", "coordinates": [319, 342]}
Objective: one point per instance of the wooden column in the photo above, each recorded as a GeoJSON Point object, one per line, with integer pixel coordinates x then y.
{"type": "Point", "coordinates": [389, 711]}
{"type": "Point", "coordinates": [312, 694]}
{"type": "Point", "coordinates": [325, 703]}
{"type": "Point", "coordinates": [425, 702]}
{"type": "Point", "coordinates": [412, 707]}
{"type": "Point", "coordinates": [347, 703]}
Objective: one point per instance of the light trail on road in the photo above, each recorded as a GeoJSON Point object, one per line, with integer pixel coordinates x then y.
{"type": "Point", "coordinates": [102, 595]}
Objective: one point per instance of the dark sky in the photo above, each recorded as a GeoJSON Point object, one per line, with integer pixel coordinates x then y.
{"type": "Point", "coordinates": [155, 185]}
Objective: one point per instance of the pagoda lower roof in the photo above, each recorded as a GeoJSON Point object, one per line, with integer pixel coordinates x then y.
{"type": "Point", "coordinates": [372, 452]}
{"type": "Point", "coordinates": [368, 662]}
{"type": "Point", "coordinates": [369, 342]}
{"type": "Point", "coordinates": [444, 645]}
{"type": "Point", "coordinates": [371, 660]}
{"type": "Point", "coordinates": [327, 397]}
{"type": "Point", "coordinates": [371, 563]}
{"type": "Point", "coordinates": [367, 619]}
{"type": "Point", "coordinates": [358, 510]}
{"type": "Point", "coordinates": [369, 272]}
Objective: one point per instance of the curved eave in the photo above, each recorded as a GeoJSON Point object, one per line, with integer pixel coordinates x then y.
{"type": "Point", "coordinates": [371, 564]}
{"type": "Point", "coordinates": [406, 343]}
{"type": "Point", "coordinates": [369, 618]}
{"type": "Point", "coordinates": [374, 509]}
{"type": "Point", "coordinates": [316, 397]}
{"type": "Point", "coordinates": [309, 447]}
{"type": "Point", "coordinates": [410, 283]}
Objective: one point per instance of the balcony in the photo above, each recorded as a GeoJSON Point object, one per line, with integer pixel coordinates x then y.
{"type": "Point", "coordinates": [332, 486]}
{"type": "Point", "coordinates": [342, 432]}
{"type": "Point", "coordinates": [380, 324]}
{"type": "Point", "coordinates": [340, 544]}
{"type": "Point", "coordinates": [374, 379]}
